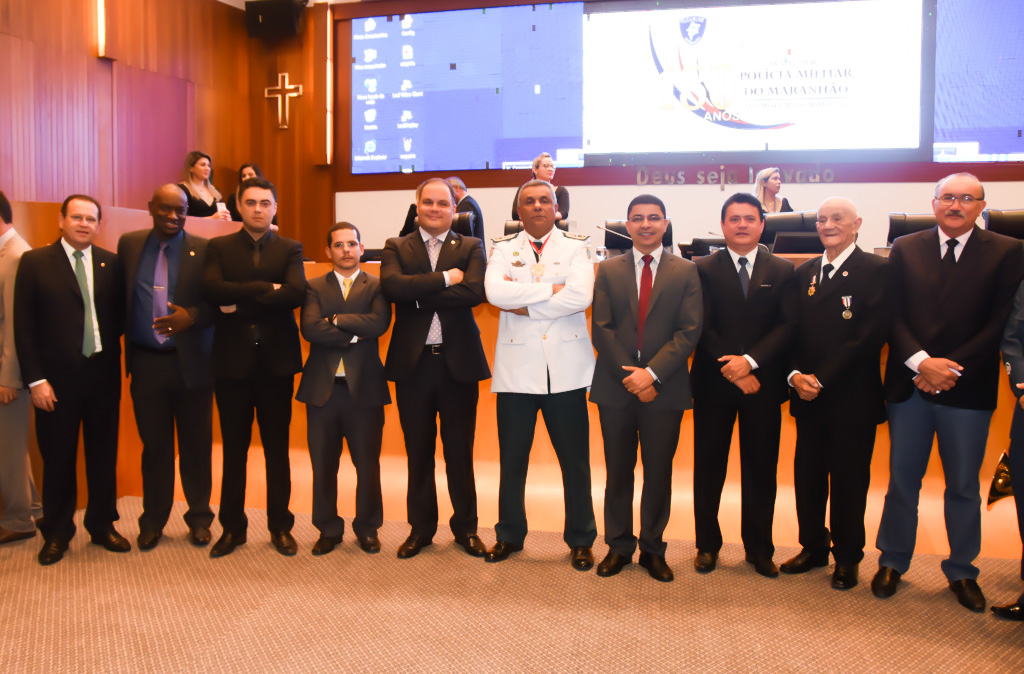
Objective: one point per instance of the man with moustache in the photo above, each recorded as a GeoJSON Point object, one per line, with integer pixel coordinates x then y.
{"type": "Point", "coordinates": [646, 319]}
{"type": "Point", "coordinates": [344, 388]}
{"type": "Point", "coordinates": [18, 495]}
{"type": "Point", "coordinates": [542, 279]}
{"type": "Point", "coordinates": [739, 370]}
{"type": "Point", "coordinates": [836, 396]}
{"type": "Point", "coordinates": [169, 335]}
{"type": "Point", "coordinates": [952, 286]}
{"type": "Point", "coordinates": [69, 312]}
{"type": "Point", "coordinates": [256, 280]}
{"type": "Point", "coordinates": [435, 277]}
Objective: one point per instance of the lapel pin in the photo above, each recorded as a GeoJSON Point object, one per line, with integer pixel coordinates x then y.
{"type": "Point", "coordinates": [453, 242]}
{"type": "Point", "coordinates": [846, 273]}
{"type": "Point", "coordinates": [103, 264]}
{"type": "Point", "coordinates": [192, 253]}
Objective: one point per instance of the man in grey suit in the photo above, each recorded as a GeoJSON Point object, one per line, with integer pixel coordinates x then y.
{"type": "Point", "coordinates": [168, 338]}
{"type": "Point", "coordinates": [464, 203]}
{"type": "Point", "coordinates": [344, 388]}
{"type": "Point", "coordinates": [17, 490]}
{"type": "Point", "coordinates": [647, 319]}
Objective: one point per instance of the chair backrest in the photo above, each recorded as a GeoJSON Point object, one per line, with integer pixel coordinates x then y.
{"type": "Point", "coordinates": [790, 243]}
{"type": "Point", "coordinates": [774, 223]}
{"type": "Point", "coordinates": [461, 223]}
{"type": "Point", "coordinates": [516, 226]}
{"type": "Point", "coordinates": [1007, 223]}
{"type": "Point", "coordinates": [901, 224]}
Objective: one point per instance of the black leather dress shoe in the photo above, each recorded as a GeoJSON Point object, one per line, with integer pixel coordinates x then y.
{"type": "Point", "coordinates": [883, 585]}
{"type": "Point", "coordinates": [612, 564]}
{"type": "Point", "coordinates": [1010, 612]}
{"type": "Point", "coordinates": [501, 551]}
{"type": "Point", "coordinates": [370, 544]}
{"type": "Point", "coordinates": [581, 558]}
{"type": "Point", "coordinates": [845, 576]}
{"type": "Point", "coordinates": [968, 594]}
{"type": "Point", "coordinates": [52, 552]}
{"type": "Point", "coordinates": [226, 544]}
{"type": "Point", "coordinates": [412, 546]}
{"type": "Point", "coordinates": [472, 544]}
{"type": "Point", "coordinates": [147, 540]}
{"type": "Point", "coordinates": [805, 561]}
{"type": "Point", "coordinates": [764, 566]}
{"type": "Point", "coordinates": [199, 536]}
{"type": "Point", "coordinates": [705, 562]}
{"type": "Point", "coordinates": [284, 543]}
{"type": "Point", "coordinates": [325, 544]}
{"type": "Point", "coordinates": [656, 567]}
{"type": "Point", "coordinates": [8, 536]}
{"type": "Point", "coordinates": [113, 541]}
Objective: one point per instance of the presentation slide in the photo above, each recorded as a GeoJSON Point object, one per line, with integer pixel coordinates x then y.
{"type": "Point", "coordinates": [801, 76]}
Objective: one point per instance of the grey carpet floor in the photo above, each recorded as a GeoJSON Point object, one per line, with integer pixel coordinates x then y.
{"type": "Point", "coordinates": [173, 609]}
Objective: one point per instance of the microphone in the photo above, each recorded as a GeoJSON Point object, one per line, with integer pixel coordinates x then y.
{"type": "Point", "coordinates": [624, 236]}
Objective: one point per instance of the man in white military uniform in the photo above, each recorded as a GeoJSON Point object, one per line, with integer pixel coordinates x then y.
{"type": "Point", "coordinates": [542, 279]}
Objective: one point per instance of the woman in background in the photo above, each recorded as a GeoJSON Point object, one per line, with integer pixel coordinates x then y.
{"type": "Point", "coordinates": [769, 182]}
{"type": "Point", "coordinates": [544, 169]}
{"type": "Point", "coordinates": [203, 197]}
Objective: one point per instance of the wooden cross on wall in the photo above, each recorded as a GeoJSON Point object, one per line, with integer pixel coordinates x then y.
{"type": "Point", "coordinates": [282, 92]}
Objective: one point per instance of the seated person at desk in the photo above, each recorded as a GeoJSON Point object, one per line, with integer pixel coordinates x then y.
{"type": "Point", "coordinates": [203, 197]}
{"type": "Point", "coordinates": [768, 184]}
{"type": "Point", "coordinates": [544, 169]}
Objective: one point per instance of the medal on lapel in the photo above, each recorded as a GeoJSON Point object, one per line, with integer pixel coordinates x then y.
{"type": "Point", "coordinates": [814, 286]}
{"type": "Point", "coordinates": [847, 301]}
{"type": "Point", "coordinates": [537, 270]}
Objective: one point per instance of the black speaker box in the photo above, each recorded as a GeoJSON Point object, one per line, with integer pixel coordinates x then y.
{"type": "Point", "coordinates": [274, 18]}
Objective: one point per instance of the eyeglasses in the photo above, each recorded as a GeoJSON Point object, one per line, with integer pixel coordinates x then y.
{"type": "Point", "coordinates": [964, 199]}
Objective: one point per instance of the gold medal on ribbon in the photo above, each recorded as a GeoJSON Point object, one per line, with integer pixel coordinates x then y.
{"type": "Point", "coordinates": [847, 301]}
{"type": "Point", "coordinates": [813, 288]}
{"type": "Point", "coordinates": [537, 270]}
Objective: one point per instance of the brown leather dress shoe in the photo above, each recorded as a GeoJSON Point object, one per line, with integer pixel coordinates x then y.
{"type": "Point", "coordinates": [845, 576]}
{"type": "Point", "coordinates": [805, 561]}
{"type": "Point", "coordinates": [369, 544]}
{"type": "Point", "coordinates": [53, 551]}
{"type": "Point", "coordinates": [8, 536]}
{"type": "Point", "coordinates": [412, 546]}
{"type": "Point", "coordinates": [705, 562]}
{"type": "Point", "coordinates": [148, 540]}
{"type": "Point", "coordinates": [612, 564]}
{"type": "Point", "coordinates": [656, 567]}
{"type": "Point", "coordinates": [284, 543]}
{"type": "Point", "coordinates": [226, 544]}
{"type": "Point", "coordinates": [199, 536]}
{"type": "Point", "coordinates": [112, 541]}
{"type": "Point", "coordinates": [501, 551]}
{"type": "Point", "coordinates": [325, 544]}
{"type": "Point", "coordinates": [883, 585]}
{"type": "Point", "coordinates": [764, 566]}
{"type": "Point", "coordinates": [581, 558]}
{"type": "Point", "coordinates": [472, 544]}
{"type": "Point", "coordinates": [968, 594]}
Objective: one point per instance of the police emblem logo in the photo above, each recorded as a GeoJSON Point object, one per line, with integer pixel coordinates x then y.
{"type": "Point", "coordinates": [692, 28]}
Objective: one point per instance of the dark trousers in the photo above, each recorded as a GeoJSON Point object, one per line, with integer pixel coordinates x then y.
{"type": "Point", "coordinates": [429, 393]}
{"type": "Point", "coordinates": [760, 421]}
{"type": "Point", "coordinates": [565, 415]}
{"type": "Point", "coordinates": [1015, 462]}
{"type": "Point", "coordinates": [162, 403]}
{"type": "Point", "coordinates": [270, 398]}
{"type": "Point", "coordinates": [913, 426]}
{"type": "Point", "coordinates": [84, 400]}
{"type": "Point", "coordinates": [657, 432]}
{"type": "Point", "coordinates": [363, 428]}
{"type": "Point", "coordinates": [833, 450]}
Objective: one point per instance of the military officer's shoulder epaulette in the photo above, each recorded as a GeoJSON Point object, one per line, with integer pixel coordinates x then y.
{"type": "Point", "coordinates": [576, 236]}
{"type": "Point", "coordinates": [507, 237]}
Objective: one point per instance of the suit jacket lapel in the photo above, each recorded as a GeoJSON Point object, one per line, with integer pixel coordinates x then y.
{"type": "Point", "coordinates": [446, 255]}
{"type": "Point", "coordinates": [418, 249]}
{"type": "Point", "coordinates": [626, 275]}
{"type": "Point", "coordinates": [660, 279]}
{"type": "Point", "coordinates": [188, 265]}
{"type": "Point", "coordinates": [756, 275]}
{"type": "Point", "coordinates": [64, 268]}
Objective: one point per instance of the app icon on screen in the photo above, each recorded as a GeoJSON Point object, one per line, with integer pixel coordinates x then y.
{"type": "Point", "coordinates": [407, 144]}
{"type": "Point", "coordinates": [370, 84]}
{"type": "Point", "coordinates": [406, 115]}
{"type": "Point", "coordinates": [369, 25]}
{"type": "Point", "coordinates": [370, 146]}
{"type": "Point", "coordinates": [406, 85]}
{"type": "Point", "coordinates": [407, 22]}
{"type": "Point", "coordinates": [406, 52]}
{"type": "Point", "coordinates": [369, 54]}
{"type": "Point", "coordinates": [370, 115]}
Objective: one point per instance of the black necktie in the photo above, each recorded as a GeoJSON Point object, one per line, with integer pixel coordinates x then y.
{"type": "Point", "coordinates": [949, 259]}
{"type": "Point", "coordinates": [744, 276]}
{"type": "Point", "coordinates": [825, 271]}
